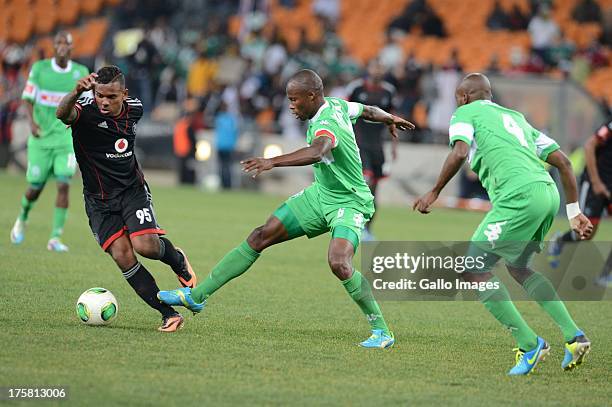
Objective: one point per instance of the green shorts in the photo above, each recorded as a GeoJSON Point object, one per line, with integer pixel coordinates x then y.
{"type": "Point", "coordinates": [305, 214]}
{"type": "Point", "coordinates": [43, 163]}
{"type": "Point", "coordinates": [516, 226]}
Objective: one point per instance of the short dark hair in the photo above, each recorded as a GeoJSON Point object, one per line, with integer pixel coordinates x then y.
{"type": "Point", "coordinates": [308, 80]}
{"type": "Point", "coordinates": [110, 74]}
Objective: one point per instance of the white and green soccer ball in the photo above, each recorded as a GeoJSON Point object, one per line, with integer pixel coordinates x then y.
{"type": "Point", "coordinates": [97, 306]}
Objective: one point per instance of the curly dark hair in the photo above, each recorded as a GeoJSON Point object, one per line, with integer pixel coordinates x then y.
{"type": "Point", "coordinates": [109, 74]}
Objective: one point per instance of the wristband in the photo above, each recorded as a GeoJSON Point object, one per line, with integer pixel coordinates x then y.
{"type": "Point", "coordinates": [572, 210]}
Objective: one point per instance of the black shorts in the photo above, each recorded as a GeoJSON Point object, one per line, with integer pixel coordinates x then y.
{"type": "Point", "coordinates": [372, 161]}
{"type": "Point", "coordinates": [131, 212]}
{"type": "Point", "coordinates": [592, 205]}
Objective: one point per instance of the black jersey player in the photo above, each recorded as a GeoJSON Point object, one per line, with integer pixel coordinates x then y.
{"type": "Point", "coordinates": [372, 90]}
{"type": "Point", "coordinates": [595, 193]}
{"type": "Point", "coordinates": [118, 201]}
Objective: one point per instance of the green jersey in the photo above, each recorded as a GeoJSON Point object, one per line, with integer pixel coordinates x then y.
{"type": "Point", "coordinates": [47, 84]}
{"type": "Point", "coordinates": [505, 150]}
{"type": "Point", "coordinates": [339, 174]}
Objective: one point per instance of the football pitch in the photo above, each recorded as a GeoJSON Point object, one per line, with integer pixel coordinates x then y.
{"type": "Point", "coordinates": [285, 333]}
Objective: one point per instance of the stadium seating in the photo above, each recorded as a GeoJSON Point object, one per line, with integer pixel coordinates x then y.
{"type": "Point", "coordinates": [599, 82]}
{"type": "Point", "coordinates": [70, 11]}
{"type": "Point", "coordinates": [292, 23]}
{"type": "Point", "coordinates": [363, 30]}
{"type": "Point", "coordinates": [26, 20]}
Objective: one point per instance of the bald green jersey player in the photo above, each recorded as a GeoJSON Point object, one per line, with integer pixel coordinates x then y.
{"type": "Point", "coordinates": [50, 152]}
{"type": "Point", "coordinates": [507, 153]}
{"type": "Point", "coordinates": [339, 201]}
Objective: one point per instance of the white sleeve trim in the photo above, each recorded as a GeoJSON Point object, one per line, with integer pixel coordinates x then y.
{"type": "Point", "coordinates": [354, 110]}
{"type": "Point", "coordinates": [542, 142]}
{"type": "Point", "coordinates": [30, 90]}
{"type": "Point", "coordinates": [461, 129]}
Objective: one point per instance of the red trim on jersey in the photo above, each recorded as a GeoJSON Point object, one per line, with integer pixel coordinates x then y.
{"type": "Point", "coordinates": [113, 237]}
{"type": "Point", "coordinates": [114, 118]}
{"type": "Point", "coordinates": [140, 174]}
{"type": "Point", "coordinates": [326, 133]}
{"type": "Point", "coordinates": [152, 231]}
{"type": "Point", "coordinates": [127, 116]}
{"type": "Point", "coordinates": [594, 220]}
{"type": "Point", "coordinates": [369, 174]}
{"type": "Point", "coordinates": [78, 110]}
{"type": "Point", "coordinates": [94, 168]}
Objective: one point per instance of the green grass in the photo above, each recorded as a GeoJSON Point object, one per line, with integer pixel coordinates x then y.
{"type": "Point", "coordinates": [284, 333]}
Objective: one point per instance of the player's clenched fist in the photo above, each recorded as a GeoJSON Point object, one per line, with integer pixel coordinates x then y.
{"type": "Point", "coordinates": [86, 83]}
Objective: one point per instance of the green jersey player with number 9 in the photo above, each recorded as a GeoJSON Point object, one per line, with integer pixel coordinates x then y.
{"type": "Point", "coordinates": [507, 153]}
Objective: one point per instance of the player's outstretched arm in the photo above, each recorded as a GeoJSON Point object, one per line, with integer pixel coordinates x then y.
{"type": "Point", "coordinates": [452, 164]}
{"type": "Point", "coordinates": [579, 223]}
{"type": "Point", "coordinates": [304, 156]}
{"type": "Point", "coordinates": [66, 111]}
{"type": "Point", "coordinates": [376, 114]}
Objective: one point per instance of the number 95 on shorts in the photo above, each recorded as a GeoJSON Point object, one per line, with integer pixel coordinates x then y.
{"type": "Point", "coordinates": [130, 212]}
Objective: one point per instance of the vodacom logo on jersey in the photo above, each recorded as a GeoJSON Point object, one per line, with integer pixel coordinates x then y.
{"type": "Point", "coordinates": [121, 145]}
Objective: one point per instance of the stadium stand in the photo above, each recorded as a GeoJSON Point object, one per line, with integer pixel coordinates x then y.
{"type": "Point", "coordinates": [177, 45]}
{"type": "Point", "coordinates": [37, 20]}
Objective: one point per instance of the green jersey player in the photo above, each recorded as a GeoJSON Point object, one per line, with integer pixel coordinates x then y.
{"type": "Point", "coordinates": [506, 152]}
{"type": "Point", "coordinates": [50, 152]}
{"type": "Point", "coordinates": [339, 201]}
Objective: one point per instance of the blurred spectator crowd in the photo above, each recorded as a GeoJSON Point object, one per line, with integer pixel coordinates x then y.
{"type": "Point", "coordinates": [175, 51]}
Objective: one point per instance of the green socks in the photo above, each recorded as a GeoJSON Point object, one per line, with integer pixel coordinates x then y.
{"type": "Point", "coordinates": [498, 303]}
{"type": "Point", "coordinates": [541, 290]}
{"type": "Point", "coordinates": [359, 290]}
{"type": "Point", "coordinates": [236, 262]}
{"type": "Point", "coordinates": [59, 219]}
{"type": "Point", "coordinates": [26, 206]}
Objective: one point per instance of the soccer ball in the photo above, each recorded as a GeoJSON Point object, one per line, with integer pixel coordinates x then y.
{"type": "Point", "coordinates": [97, 306]}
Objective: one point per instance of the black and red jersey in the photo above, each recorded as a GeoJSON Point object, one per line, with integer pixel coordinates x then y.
{"type": "Point", "coordinates": [604, 153]}
{"type": "Point", "coordinates": [104, 147]}
{"type": "Point", "coordinates": [370, 135]}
